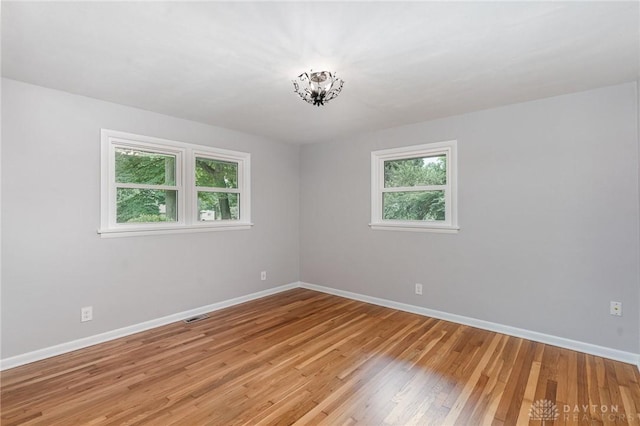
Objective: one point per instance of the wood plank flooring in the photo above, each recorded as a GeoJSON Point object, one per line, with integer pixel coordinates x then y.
{"type": "Point", "coordinates": [302, 357]}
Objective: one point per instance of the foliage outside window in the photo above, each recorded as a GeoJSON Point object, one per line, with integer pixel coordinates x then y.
{"type": "Point", "coordinates": [414, 188]}
{"type": "Point", "coordinates": [217, 188]}
{"type": "Point", "coordinates": [153, 185]}
{"type": "Point", "coordinates": [145, 183]}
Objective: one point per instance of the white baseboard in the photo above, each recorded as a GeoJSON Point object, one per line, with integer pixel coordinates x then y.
{"type": "Point", "coordinates": [74, 345]}
{"type": "Point", "coordinates": [615, 354]}
{"type": "Point", "coordinates": [618, 355]}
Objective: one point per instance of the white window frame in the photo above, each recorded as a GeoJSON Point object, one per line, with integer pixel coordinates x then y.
{"type": "Point", "coordinates": [187, 205]}
{"type": "Point", "coordinates": [378, 158]}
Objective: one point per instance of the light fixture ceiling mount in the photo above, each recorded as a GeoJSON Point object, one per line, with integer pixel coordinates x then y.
{"type": "Point", "coordinates": [317, 87]}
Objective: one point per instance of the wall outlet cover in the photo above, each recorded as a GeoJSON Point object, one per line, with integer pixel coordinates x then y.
{"type": "Point", "coordinates": [615, 308]}
{"type": "Point", "coordinates": [86, 313]}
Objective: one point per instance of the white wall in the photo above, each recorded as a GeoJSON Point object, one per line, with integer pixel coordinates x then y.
{"type": "Point", "coordinates": [548, 209]}
{"type": "Point", "coordinates": [54, 262]}
{"type": "Point", "coordinates": [549, 212]}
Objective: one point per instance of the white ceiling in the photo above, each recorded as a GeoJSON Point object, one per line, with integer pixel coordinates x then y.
{"type": "Point", "coordinates": [231, 64]}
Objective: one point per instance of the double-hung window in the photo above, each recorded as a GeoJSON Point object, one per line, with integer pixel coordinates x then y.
{"type": "Point", "coordinates": [414, 188]}
{"type": "Point", "coordinates": [216, 186]}
{"type": "Point", "coordinates": [152, 186]}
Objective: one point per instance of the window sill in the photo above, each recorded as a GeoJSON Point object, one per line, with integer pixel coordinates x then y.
{"type": "Point", "coordinates": [414, 228]}
{"type": "Point", "coordinates": [118, 233]}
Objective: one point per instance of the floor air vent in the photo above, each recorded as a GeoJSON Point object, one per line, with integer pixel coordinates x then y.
{"type": "Point", "coordinates": [196, 318]}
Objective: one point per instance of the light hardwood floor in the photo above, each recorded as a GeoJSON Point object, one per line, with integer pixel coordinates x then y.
{"type": "Point", "coordinates": [302, 357]}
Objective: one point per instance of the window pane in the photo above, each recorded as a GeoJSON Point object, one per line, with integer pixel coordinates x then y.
{"type": "Point", "coordinates": [146, 205]}
{"type": "Point", "coordinates": [416, 172]}
{"type": "Point", "coordinates": [134, 166]}
{"type": "Point", "coordinates": [216, 174]}
{"type": "Point", "coordinates": [418, 205]}
{"type": "Point", "coordinates": [218, 206]}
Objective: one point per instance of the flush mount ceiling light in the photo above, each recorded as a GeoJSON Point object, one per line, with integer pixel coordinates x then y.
{"type": "Point", "coordinates": [317, 88]}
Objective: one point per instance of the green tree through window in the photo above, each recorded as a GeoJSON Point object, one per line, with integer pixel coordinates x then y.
{"type": "Point", "coordinates": [151, 185]}
{"type": "Point", "coordinates": [145, 204]}
{"type": "Point", "coordinates": [415, 205]}
{"type": "Point", "coordinates": [213, 177]}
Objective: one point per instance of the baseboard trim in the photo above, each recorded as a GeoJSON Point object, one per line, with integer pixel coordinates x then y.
{"type": "Point", "coordinates": [40, 354]}
{"type": "Point", "coordinates": [589, 348]}
{"type": "Point", "coordinates": [74, 345]}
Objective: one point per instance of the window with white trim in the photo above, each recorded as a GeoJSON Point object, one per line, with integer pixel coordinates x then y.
{"type": "Point", "coordinates": [414, 188]}
{"type": "Point", "coordinates": [152, 185]}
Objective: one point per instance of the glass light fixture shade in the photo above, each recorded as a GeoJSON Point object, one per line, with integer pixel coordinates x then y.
{"type": "Point", "coordinates": [317, 88]}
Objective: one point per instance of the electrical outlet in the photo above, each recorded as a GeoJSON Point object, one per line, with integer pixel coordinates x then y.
{"type": "Point", "coordinates": [615, 308]}
{"type": "Point", "coordinates": [419, 289]}
{"type": "Point", "coordinates": [263, 275]}
{"type": "Point", "coordinates": [86, 314]}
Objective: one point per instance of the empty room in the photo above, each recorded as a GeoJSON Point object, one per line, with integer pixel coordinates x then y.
{"type": "Point", "coordinates": [320, 213]}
